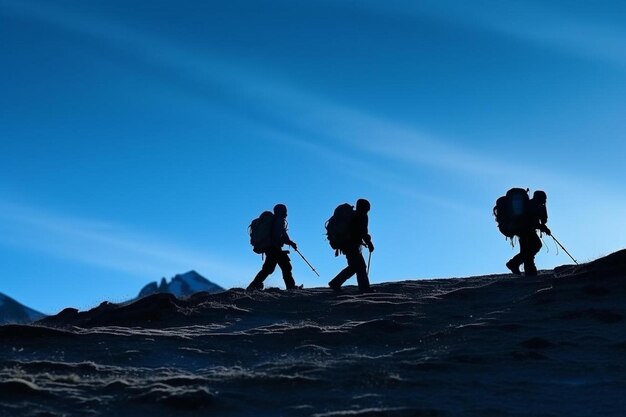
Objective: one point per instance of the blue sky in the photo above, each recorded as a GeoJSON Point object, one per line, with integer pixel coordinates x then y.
{"type": "Point", "coordinates": [139, 139]}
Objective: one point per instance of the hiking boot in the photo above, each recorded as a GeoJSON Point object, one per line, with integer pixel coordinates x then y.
{"type": "Point", "coordinates": [530, 271]}
{"type": "Point", "coordinates": [295, 287]}
{"type": "Point", "coordinates": [513, 267]}
{"type": "Point", "coordinates": [334, 286]}
{"type": "Point", "coordinates": [255, 286]}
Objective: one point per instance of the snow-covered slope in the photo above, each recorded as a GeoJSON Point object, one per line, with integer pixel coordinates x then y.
{"type": "Point", "coordinates": [182, 285]}
{"type": "Point", "coordinates": [13, 312]}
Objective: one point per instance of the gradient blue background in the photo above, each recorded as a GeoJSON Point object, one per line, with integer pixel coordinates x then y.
{"type": "Point", "coordinates": [139, 138]}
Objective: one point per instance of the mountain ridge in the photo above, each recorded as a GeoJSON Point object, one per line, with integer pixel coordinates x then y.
{"type": "Point", "coordinates": [12, 311]}
{"type": "Point", "coordinates": [181, 285]}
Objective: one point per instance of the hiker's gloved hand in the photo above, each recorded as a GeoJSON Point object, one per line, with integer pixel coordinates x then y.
{"type": "Point", "coordinates": [545, 230]}
{"type": "Point", "coordinates": [293, 245]}
{"type": "Point", "coordinates": [370, 246]}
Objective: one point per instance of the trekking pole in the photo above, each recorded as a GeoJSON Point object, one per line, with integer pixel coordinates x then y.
{"type": "Point", "coordinates": [369, 259]}
{"type": "Point", "coordinates": [307, 262]}
{"type": "Point", "coordinates": [565, 250]}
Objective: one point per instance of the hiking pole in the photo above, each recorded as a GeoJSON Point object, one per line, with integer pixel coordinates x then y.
{"type": "Point", "coordinates": [369, 259]}
{"type": "Point", "coordinates": [307, 262]}
{"type": "Point", "coordinates": [565, 250]}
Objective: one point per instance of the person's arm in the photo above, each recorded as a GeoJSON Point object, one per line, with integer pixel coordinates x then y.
{"type": "Point", "coordinates": [543, 215]}
{"type": "Point", "coordinates": [286, 239]}
{"type": "Point", "coordinates": [364, 233]}
{"type": "Point", "coordinates": [543, 219]}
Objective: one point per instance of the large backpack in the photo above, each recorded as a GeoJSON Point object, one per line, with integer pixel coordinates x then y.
{"type": "Point", "coordinates": [339, 226]}
{"type": "Point", "coordinates": [511, 212]}
{"type": "Point", "coordinates": [260, 231]}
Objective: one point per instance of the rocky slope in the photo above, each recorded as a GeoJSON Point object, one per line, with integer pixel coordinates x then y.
{"type": "Point", "coordinates": [500, 345]}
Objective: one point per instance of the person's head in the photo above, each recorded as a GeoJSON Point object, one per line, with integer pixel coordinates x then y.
{"type": "Point", "coordinates": [280, 210]}
{"type": "Point", "coordinates": [362, 205]}
{"type": "Point", "coordinates": [540, 196]}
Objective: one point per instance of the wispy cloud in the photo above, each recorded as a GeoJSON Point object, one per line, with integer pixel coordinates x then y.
{"type": "Point", "coordinates": [366, 142]}
{"type": "Point", "coordinates": [372, 141]}
{"type": "Point", "coordinates": [365, 135]}
{"type": "Point", "coordinates": [312, 115]}
{"type": "Point", "coordinates": [106, 245]}
{"type": "Point", "coordinates": [293, 106]}
{"type": "Point", "coordinates": [372, 173]}
{"type": "Point", "coordinates": [546, 26]}
{"type": "Point", "coordinates": [539, 23]}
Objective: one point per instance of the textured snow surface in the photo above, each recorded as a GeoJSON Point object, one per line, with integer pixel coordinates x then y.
{"type": "Point", "coordinates": [552, 345]}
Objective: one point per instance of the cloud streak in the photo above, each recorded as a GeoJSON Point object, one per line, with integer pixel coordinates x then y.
{"type": "Point", "coordinates": [295, 107]}
{"type": "Point", "coordinates": [366, 136]}
{"type": "Point", "coordinates": [533, 22]}
{"type": "Point", "coordinates": [545, 27]}
{"type": "Point", "coordinates": [105, 245]}
{"type": "Point", "coordinates": [382, 178]}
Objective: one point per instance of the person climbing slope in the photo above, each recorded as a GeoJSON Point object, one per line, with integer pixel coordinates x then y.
{"type": "Point", "coordinates": [268, 234]}
{"type": "Point", "coordinates": [347, 232]}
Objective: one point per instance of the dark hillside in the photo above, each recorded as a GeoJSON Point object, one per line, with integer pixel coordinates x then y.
{"type": "Point", "coordinates": [499, 345]}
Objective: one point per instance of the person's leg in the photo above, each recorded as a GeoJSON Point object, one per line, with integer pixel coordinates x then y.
{"type": "Point", "coordinates": [285, 266]}
{"type": "Point", "coordinates": [268, 267]}
{"type": "Point", "coordinates": [515, 262]}
{"type": "Point", "coordinates": [357, 263]}
{"type": "Point", "coordinates": [342, 276]}
{"type": "Point", "coordinates": [532, 246]}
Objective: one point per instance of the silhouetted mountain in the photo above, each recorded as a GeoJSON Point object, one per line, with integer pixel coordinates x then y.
{"type": "Point", "coordinates": [13, 312]}
{"type": "Point", "coordinates": [182, 285]}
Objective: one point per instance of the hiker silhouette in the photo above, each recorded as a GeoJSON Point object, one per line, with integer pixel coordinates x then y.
{"type": "Point", "coordinates": [272, 233]}
{"type": "Point", "coordinates": [535, 218]}
{"type": "Point", "coordinates": [358, 236]}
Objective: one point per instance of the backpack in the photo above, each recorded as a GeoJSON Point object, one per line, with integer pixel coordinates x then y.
{"type": "Point", "coordinates": [339, 226]}
{"type": "Point", "coordinates": [511, 212]}
{"type": "Point", "coordinates": [260, 231]}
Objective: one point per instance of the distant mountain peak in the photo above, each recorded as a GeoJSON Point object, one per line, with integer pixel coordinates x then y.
{"type": "Point", "coordinates": [181, 285]}
{"type": "Point", "coordinates": [13, 312]}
